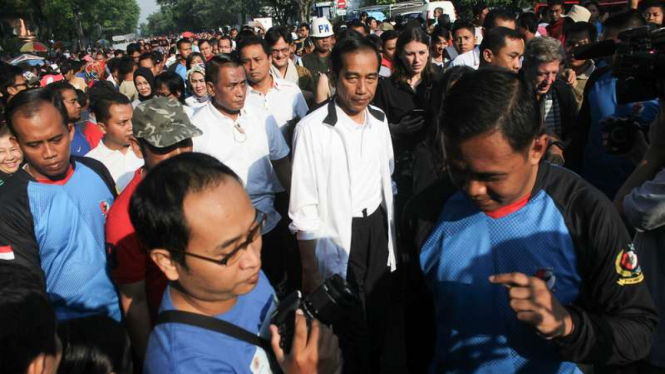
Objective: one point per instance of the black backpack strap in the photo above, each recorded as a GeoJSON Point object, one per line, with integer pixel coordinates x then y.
{"type": "Point", "coordinates": [213, 324]}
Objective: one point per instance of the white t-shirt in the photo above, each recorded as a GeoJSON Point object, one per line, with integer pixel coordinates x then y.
{"type": "Point", "coordinates": [247, 146]}
{"type": "Point", "coordinates": [284, 101]}
{"type": "Point", "coordinates": [121, 165]}
{"type": "Point", "coordinates": [471, 59]}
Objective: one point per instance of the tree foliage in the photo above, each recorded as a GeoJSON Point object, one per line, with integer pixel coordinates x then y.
{"type": "Point", "coordinates": [87, 19]}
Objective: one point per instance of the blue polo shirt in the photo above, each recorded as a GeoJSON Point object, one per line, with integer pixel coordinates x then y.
{"type": "Point", "coordinates": [179, 348]}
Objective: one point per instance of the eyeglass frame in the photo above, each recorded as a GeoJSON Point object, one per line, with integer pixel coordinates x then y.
{"type": "Point", "coordinates": [260, 219]}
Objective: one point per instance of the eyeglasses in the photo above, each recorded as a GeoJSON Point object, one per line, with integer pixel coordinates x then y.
{"type": "Point", "coordinates": [235, 255]}
{"type": "Point", "coordinates": [277, 52]}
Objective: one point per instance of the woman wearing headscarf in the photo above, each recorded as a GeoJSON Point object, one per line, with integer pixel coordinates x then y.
{"type": "Point", "coordinates": [197, 86]}
{"type": "Point", "coordinates": [145, 85]}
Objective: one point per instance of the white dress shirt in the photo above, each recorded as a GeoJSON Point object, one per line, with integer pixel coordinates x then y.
{"type": "Point", "coordinates": [322, 185]}
{"type": "Point", "coordinates": [470, 59]}
{"type": "Point", "coordinates": [284, 101]}
{"type": "Point", "coordinates": [121, 165]}
{"type": "Point", "coordinates": [247, 146]}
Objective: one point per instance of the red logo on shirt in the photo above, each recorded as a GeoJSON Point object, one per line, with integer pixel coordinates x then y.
{"type": "Point", "coordinates": [6, 252]}
{"type": "Point", "coordinates": [104, 206]}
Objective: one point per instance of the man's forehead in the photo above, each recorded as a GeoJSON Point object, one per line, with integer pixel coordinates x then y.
{"type": "Point", "coordinates": [232, 74]}
{"type": "Point", "coordinates": [39, 119]}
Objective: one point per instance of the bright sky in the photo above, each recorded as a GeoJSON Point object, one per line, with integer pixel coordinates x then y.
{"type": "Point", "coordinates": [147, 7]}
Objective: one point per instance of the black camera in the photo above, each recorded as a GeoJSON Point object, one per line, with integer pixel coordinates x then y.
{"type": "Point", "coordinates": [619, 134]}
{"type": "Point", "coordinates": [325, 304]}
{"type": "Point", "coordinates": [639, 61]}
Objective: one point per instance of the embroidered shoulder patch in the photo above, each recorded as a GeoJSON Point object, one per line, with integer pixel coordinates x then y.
{"type": "Point", "coordinates": [628, 268]}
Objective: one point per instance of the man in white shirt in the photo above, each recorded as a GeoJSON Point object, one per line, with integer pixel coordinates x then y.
{"type": "Point", "coordinates": [114, 117]}
{"type": "Point", "coordinates": [283, 99]}
{"type": "Point", "coordinates": [464, 40]}
{"type": "Point", "coordinates": [247, 139]}
{"type": "Point", "coordinates": [342, 204]}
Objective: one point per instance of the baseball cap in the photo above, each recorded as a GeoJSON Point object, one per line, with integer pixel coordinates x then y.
{"type": "Point", "coordinates": [162, 122]}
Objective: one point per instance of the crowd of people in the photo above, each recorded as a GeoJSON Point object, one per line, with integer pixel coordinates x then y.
{"type": "Point", "coordinates": [437, 196]}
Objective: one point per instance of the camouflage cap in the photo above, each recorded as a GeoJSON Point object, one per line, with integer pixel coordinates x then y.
{"type": "Point", "coordinates": [162, 122]}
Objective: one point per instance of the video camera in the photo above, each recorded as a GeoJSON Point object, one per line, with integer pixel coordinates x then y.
{"type": "Point", "coordinates": [325, 304]}
{"type": "Point", "coordinates": [639, 61]}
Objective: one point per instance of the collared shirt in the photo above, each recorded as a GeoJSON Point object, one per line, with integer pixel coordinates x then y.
{"type": "Point", "coordinates": [322, 200]}
{"type": "Point", "coordinates": [364, 164]}
{"type": "Point", "coordinates": [552, 114]}
{"type": "Point", "coordinates": [247, 146]}
{"type": "Point", "coordinates": [470, 59]}
{"type": "Point", "coordinates": [284, 101]}
{"type": "Point", "coordinates": [121, 165]}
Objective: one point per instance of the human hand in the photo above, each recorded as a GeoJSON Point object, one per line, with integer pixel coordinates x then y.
{"type": "Point", "coordinates": [571, 77]}
{"type": "Point", "coordinates": [407, 124]}
{"type": "Point", "coordinates": [554, 155]}
{"type": "Point", "coordinates": [535, 305]}
{"type": "Point", "coordinates": [316, 352]}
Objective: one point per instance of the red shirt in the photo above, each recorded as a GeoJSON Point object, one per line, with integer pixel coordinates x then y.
{"type": "Point", "coordinates": [130, 262]}
{"type": "Point", "coordinates": [92, 133]}
{"type": "Point", "coordinates": [555, 30]}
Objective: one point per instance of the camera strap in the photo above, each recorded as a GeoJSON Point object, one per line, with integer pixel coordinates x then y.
{"type": "Point", "coordinates": [214, 324]}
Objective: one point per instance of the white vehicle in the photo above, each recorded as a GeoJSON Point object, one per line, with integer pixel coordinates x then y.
{"type": "Point", "coordinates": [410, 10]}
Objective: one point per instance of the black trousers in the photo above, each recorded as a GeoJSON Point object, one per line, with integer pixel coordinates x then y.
{"type": "Point", "coordinates": [370, 335]}
{"type": "Point", "coordinates": [280, 258]}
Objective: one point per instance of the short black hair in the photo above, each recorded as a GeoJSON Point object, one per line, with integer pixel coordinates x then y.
{"type": "Point", "coordinates": [440, 32]}
{"type": "Point", "coordinates": [624, 20]}
{"type": "Point", "coordinates": [126, 66]}
{"type": "Point", "coordinates": [132, 47]}
{"type": "Point", "coordinates": [148, 56]}
{"type": "Point", "coordinates": [253, 40]}
{"type": "Point", "coordinates": [528, 21]}
{"type": "Point", "coordinates": [491, 99]}
{"type": "Point", "coordinates": [173, 82]}
{"type": "Point", "coordinates": [181, 42]}
{"type": "Point", "coordinates": [351, 44]}
{"type": "Point", "coordinates": [369, 20]}
{"type": "Point", "coordinates": [389, 35]}
{"type": "Point", "coordinates": [201, 41]}
{"type": "Point", "coordinates": [8, 74]}
{"type": "Point", "coordinates": [304, 25]}
{"type": "Point", "coordinates": [497, 14]}
{"type": "Point", "coordinates": [103, 105]}
{"type": "Point", "coordinates": [215, 65]}
{"type": "Point", "coordinates": [156, 207]}
{"type": "Point", "coordinates": [113, 64]}
{"type": "Point", "coordinates": [356, 23]}
{"type": "Point", "coordinates": [275, 33]}
{"type": "Point", "coordinates": [495, 39]}
{"type": "Point", "coordinates": [582, 28]}
{"type": "Point", "coordinates": [461, 24]}
{"type": "Point", "coordinates": [28, 328]}
{"type": "Point", "coordinates": [478, 8]}
{"type": "Point", "coordinates": [191, 57]}
{"type": "Point", "coordinates": [95, 344]}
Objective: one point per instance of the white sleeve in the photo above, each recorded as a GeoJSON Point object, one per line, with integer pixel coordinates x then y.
{"type": "Point", "coordinates": [301, 108]}
{"type": "Point", "coordinates": [304, 197]}
{"type": "Point", "coordinates": [278, 147]}
{"type": "Point", "coordinates": [644, 207]}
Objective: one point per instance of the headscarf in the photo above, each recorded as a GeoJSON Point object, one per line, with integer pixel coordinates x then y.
{"type": "Point", "coordinates": [198, 68]}
{"type": "Point", "coordinates": [94, 71]}
{"type": "Point", "coordinates": [147, 75]}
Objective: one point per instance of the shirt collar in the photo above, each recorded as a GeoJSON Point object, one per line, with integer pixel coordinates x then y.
{"type": "Point", "coordinates": [215, 113]}
{"type": "Point", "coordinates": [331, 118]}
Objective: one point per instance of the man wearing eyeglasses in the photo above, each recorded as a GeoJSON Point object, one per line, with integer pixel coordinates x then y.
{"type": "Point", "coordinates": [247, 139]}
{"type": "Point", "coordinates": [162, 130]}
{"type": "Point", "coordinates": [202, 231]}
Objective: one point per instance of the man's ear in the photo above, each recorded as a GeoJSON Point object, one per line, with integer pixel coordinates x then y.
{"type": "Point", "coordinates": [42, 365]}
{"type": "Point", "coordinates": [102, 127]}
{"type": "Point", "coordinates": [538, 149]}
{"type": "Point", "coordinates": [136, 148]}
{"type": "Point", "coordinates": [211, 89]}
{"type": "Point", "coordinates": [70, 129]}
{"type": "Point", "coordinates": [488, 56]}
{"type": "Point", "coordinates": [164, 261]}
